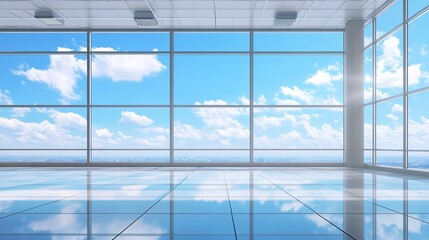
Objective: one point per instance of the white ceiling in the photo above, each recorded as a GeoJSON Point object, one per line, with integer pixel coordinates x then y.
{"type": "Point", "coordinates": [205, 14]}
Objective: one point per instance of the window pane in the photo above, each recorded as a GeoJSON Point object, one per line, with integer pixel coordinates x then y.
{"type": "Point", "coordinates": [63, 156]}
{"type": "Point", "coordinates": [418, 121]}
{"type": "Point", "coordinates": [391, 17]}
{"type": "Point", "coordinates": [368, 34]}
{"type": "Point", "coordinates": [130, 41]}
{"type": "Point", "coordinates": [418, 160]}
{"type": "Point", "coordinates": [367, 155]}
{"type": "Point", "coordinates": [415, 6]}
{"type": "Point", "coordinates": [43, 79]}
{"type": "Point", "coordinates": [368, 127]}
{"type": "Point", "coordinates": [226, 156]}
{"type": "Point", "coordinates": [139, 128]}
{"type": "Point", "coordinates": [389, 65]}
{"type": "Point", "coordinates": [294, 128]}
{"type": "Point", "coordinates": [298, 79]}
{"type": "Point", "coordinates": [211, 41]}
{"type": "Point", "coordinates": [390, 158]}
{"type": "Point", "coordinates": [418, 57]}
{"type": "Point", "coordinates": [63, 128]}
{"type": "Point", "coordinates": [291, 156]}
{"type": "Point", "coordinates": [211, 79]}
{"type": "Point", "coordinates": [131, 156]}
{"type": "Point", "coordinates": [298, 41]}
{"type": "Point", "coordinates": [368, 81]}
{"type": "Point", "coordinates": [42, 41]}
{"type": "Point", "coordinates": [390, 124]}
{"type": "Point", "coordinates": [211, 128]}
{"type": "Point", "coordinates": [130, 79]}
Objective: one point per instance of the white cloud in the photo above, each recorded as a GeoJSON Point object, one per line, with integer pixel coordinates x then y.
{"type": "Point", "coordinates": [389, 66]}
{"type": "Point", "coordinates": [103, 133]}
{"type": "Point", "coordinates": [20, 112]}
{"type": "Point", "coordinates": [303, 97]}
{"type": "Point", "coordinates": [389, 137]}
{"type": "Point", "coordinates": [326, 76]}
{"type": "Point", "coordinates": [125, 67]}
{"type": "Point", "coordinates": [4, 98]}
{"type": "Point", "coordinates": [61, 75]}
{"type": "Point", "coordinates": [268, 122]}
{"type": "Point", "coordinates": [132, 117]}
{"type": "Point", "coordinates": [391, 116]}
{"type": "Point", "coordinates": [244, 100]}
{"type": "Point", "coordinates": [157, 141]}
{"type": "Point", "coordinates": [418, 133]}
{"type": "Point", "coordinates": [15, 132]}
{"type": "Point", "coordinates": [63, 223]}
{"type": "Point", "coordinates": [68, 120]}
{"type": "Point", "coordinates": [424, 50]}
{"type": "Point", "coordinates": [261, 100]}
{"type": "Point", "coordinates": [186, 131]}
{"type": "Point", "coordinates": [397, 108]}
{"type": "Point", "coordinates": [367, 41]}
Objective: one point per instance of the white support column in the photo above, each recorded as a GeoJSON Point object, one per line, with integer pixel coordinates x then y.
{"type": "Point", "coordinates": [354, 80]}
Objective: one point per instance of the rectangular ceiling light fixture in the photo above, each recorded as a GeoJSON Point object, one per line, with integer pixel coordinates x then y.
{"type": "Point", "coordinates": [145, 19]}
{"type": "Point", "coordinates": [47, 17]}
{"type": "Point", "coordinates": [284, 19]}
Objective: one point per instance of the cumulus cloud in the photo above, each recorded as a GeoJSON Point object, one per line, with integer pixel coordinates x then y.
{"type": "Point", "coordinates": [424, 50]}
{"type": "Point", "coordinates": [58, 131]}
{"type": "Point", "coordinates": [61, 75]}
{"type": "Point", "coordinates": [301, 133]}
{"type": "Point", "coordinates": [396, 108]}
{"type": "Point", "coordinates": [390, 69]}
{"type": "Point", "coordinates": [391, 116]}
{"type": "Point", "coordinates": [418, 133]}
{"type": "Point", "coordinates": [125, 67]}
{"type": "Point", "coordinates": [298, 96]}
{"type": "Point", "coordinates": [20, 112]}
{"type": "Point", "coordinates": [367, 94]}
{"type": "Point", "coordinates": [132, 117]}
{"type": "Point", "coordinates": [186, 131]}
{"type": "Point", "coordinates": [326, 76]}
{"type": "Point", "coordinates": [103, 133]}
{"type": "Point", "coordinates": [4, 98]}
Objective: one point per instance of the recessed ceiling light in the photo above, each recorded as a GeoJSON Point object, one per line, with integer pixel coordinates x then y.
{"type": "Point", "coordinates": [145, 19]}
{"type": "Point", "coordinates": [285, 18]}
{"type": "Point", "coordinates": [47, 17]}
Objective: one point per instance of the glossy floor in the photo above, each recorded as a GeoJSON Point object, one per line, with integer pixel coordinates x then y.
{"type": "Point", "coordinates": [211, 203]}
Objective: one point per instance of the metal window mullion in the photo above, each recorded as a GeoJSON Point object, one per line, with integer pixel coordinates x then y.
{"type": "Point", "coordinates": [374, 95]}
{"type": "Point", "coordinates": [405, 87]}
{"type": "Point", "coordinates": [171, 97]}
{"type": "Point", "coordinates": [88, 99]}
{"type": "Point", "coordinates": [251, 99]}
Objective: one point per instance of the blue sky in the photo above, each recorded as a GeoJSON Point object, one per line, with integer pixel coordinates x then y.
{"type": "Point", "coordinates": [201, 80]}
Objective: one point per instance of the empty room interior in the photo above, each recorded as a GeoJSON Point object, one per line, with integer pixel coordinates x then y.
{"type": "Point", "coordinates": [214, 119]}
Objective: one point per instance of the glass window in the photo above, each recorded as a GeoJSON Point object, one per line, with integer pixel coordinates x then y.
{"type": "Point", "coordinates": [58, 79]}
{"type": "Point", "coordinates": [130, 79]}
{"type": "Point", "coordinates": [44, 128]}
{"type": "Point", "coordinates": [414, 6]}
{"type": "Point", "coordinates": [295, 128]}
{"type": "Point", "coordinates": [211, 41]}
{"type": "Point", "coordinates": [42, 41]}
{"type": "Point", "coordinates": [289, 156]}
{"type": "Point", "coordinates": [390, 124]}
{"type": "Point", "coordinates": [119, 156]}
{"type": "Point", "coordinates": [418, 53]}
{"type": "Point", "coordinates": [139, 128]}
{"type": "Point", "coordinates": [211, 79]}
{"type": "Point", "coordinates": [368, 127]}
{"type": "Point", "coordinates": [367, 156]}
{"type": "Point", "coordinates": [130, 41]}
{"type": "Point", "coordinates": [213, 156]}
{"type": "Point", "coordinates": [318, 79]}
{"type": "Point", "coordinates": [368, 76]}
{"type": "Point", "coordinates": [45, 156]}
{"type": "Point", "coordinates": [210, 127]}
{"type": "Point", "coordinates": [298, 41]}
{"type": "Point", "coordinates": [389, 66]}
{"type": "Point", "coordinates": [418, 121]}
{"type": "Point", "coordinates": [368, 34]}
{"type": "Point", "coordinates": [390, 18]}
{"type": "Point", "coordinates": [390, 158]}
{"type": "Point", "coordinates": [419, 160]}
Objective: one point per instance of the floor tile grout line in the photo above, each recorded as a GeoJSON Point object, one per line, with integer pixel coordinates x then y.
{"type": "Point", "coordinates": [55, 201]}
{"type": "Point", "coordinates": [230, 206]}
{"type": "Point", "coordinates": [153, 205]}
{"type": "Point", "coordinates": [307, 207]}
{"type": "Point", "coordinates": [387, 208]}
